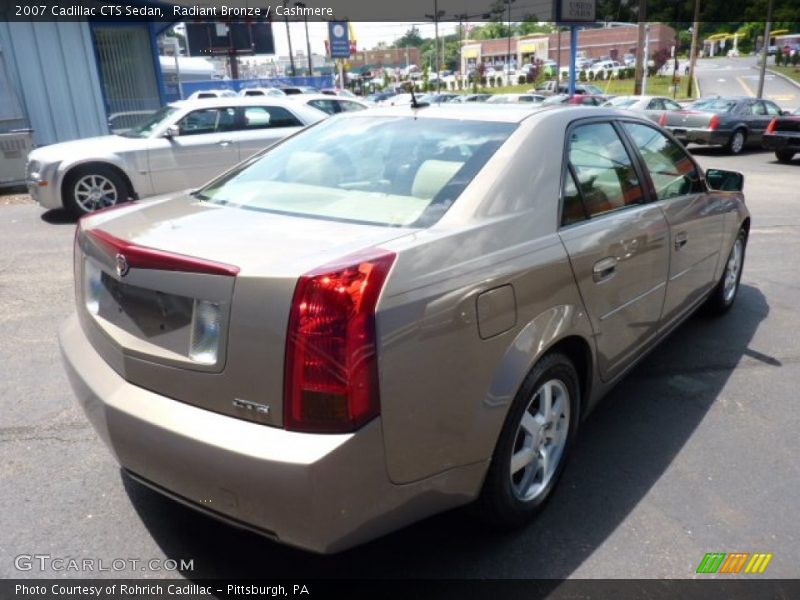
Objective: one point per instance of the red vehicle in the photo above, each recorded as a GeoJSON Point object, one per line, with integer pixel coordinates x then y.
{"type": "Point", "coordinates": [783, 136]}
{"type": "Point", "coordinates": [580, 99]}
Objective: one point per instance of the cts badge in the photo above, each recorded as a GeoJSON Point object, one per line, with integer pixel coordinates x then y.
{"type": "Point", "coordinates": [122, 265]}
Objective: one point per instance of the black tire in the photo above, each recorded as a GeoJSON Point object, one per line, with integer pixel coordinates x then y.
{"type": "Point", "coordinates": [80, 206]}
{"type": "Point", "coordinates": [784, 155]}
{"type": "Point", "coordinates": [734, 146]}
{"type": "Point", "coordinates": [499, 503]}
{"type": "Point", "coordinates": [721, 299]}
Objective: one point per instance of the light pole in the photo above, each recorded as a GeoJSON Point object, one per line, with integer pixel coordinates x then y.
{"type": "Point", "coordinates": [508, 55]}
{"type": "Point", "coordinates": [308, 41]}
{"type": "Point", "coordinates": [437, 14]}
{"type": "Point", "coordinates": [693, 48]}
{"type": "Point", "coordinates": [288, 37]}
{"type": "Point", "coordinates": [765, 51]}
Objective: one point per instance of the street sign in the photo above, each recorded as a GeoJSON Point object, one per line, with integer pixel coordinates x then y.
{"type": "Point", "coordinates": [339, 36]}
{"type": "Point", "coordinates": [576, 11]}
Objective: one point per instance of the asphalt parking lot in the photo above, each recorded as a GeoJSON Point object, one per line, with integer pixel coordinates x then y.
{"type": "Point", "coordinates": [694, 452]}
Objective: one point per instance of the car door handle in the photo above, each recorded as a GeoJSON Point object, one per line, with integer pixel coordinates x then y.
{"type": "Point", "coordinates": [224, 143]}
{"type": "Point", "coordinates": [680, 240]}
{"type": "Point", "coordinates": [604, 269]}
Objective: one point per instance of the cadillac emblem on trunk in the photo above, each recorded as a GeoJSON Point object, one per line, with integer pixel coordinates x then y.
{"type": "Point", "coordinates": [122, 265]}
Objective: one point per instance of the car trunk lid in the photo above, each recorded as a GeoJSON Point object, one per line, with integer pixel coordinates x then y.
{"type": "Point", "coordinates": [191, 299]}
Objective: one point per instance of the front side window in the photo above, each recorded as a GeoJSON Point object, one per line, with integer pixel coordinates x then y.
{"type": "Point", "coordinates": [772, 109]}
{"type": "Point", "coordinates": [392, 171]}
{"type": "Point", "coordinates": [348, 106]}
{"type": "Point", "coordinates": [208, 120]}
{"type": "Point", "coordinates": [327, 106]}
{"type": "Point", "coordinates": [757, 109]}
{"type": "Point", "coordinates": [672, 171]}
{"type": "Point", "coordinates": [152, 123]}
{"type": "Point", "coordinates": [605, 173]}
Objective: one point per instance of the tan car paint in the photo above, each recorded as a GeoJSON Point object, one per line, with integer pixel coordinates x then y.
{"type": "Point", "coordinates": [445, 388]}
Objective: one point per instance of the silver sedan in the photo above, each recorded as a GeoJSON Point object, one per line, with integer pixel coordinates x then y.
{"type": "Point", "coordinates": [180, 146]}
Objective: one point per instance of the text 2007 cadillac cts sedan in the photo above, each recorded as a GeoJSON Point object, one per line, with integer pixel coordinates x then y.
{"type": "Point", "coordinates": [393, 312]}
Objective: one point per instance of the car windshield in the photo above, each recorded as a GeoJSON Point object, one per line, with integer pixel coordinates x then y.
{"type": "Point", "coordinates": [715, 105]}
{"type": "Point", "coordinates": [391, 171]}
{"type": "Point", "coordinates": [145, 128]}
{"type": "Point", "coordinates": [621, 102]}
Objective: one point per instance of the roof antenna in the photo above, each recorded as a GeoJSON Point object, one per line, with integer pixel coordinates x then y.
{"type": "Point", "coordinates": [414, 103]}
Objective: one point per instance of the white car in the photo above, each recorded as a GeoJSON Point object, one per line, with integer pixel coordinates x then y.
{"type": "Point", "coordinates": [606, 67]}
{"type": "Point", "coordinates": [175, 148]}
{"type": "Point", "coordinates": [328, 104]}
{"type": "Point", "coordinates": [259, 91]}
{"type": "Point", "coordinates": [211, 94]}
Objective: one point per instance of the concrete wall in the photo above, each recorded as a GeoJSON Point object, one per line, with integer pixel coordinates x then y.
{"type": "Point", "coordinates": [53, 68]}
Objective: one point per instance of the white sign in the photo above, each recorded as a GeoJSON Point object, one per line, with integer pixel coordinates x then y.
{"type": "Point", "coordinates": [576, 10]}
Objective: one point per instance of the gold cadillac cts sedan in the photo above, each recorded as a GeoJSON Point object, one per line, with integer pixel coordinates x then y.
{"type": "Point", "coordinates": [393, 312]}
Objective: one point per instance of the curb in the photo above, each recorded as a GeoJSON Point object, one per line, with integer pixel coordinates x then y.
{"type": "Point", "coordinates": [784, 77]}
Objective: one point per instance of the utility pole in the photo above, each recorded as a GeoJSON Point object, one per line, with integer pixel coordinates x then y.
{"type": "Point", "coordinates": [289, 37]}
{"type": "Point", "coordinates": [308, 41]}
{"type": "Point", "coordinates": [508, 56]}
{"type": "Point", "coordinates": [461, 66]}
{"type": "Point", "coordinates": [765, 50]}
{"type": "Point", "coordinates": [437, 14]}
{"type": "Point", "coordinates": [693, 49]}
{"type": "Point", "coordinates": [558, 59]}
{"type": "Point", "coordinates": [641, 61]}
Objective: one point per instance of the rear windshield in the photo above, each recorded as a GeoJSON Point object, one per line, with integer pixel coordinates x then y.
{"type": "Point", "coordinates": [716, 105]}
{"type": "Point", "coordinates": [392, 171]}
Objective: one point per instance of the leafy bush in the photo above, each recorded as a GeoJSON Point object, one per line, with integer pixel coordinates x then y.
{"type": "Point", "coordinates": [522, 79]}
{"type": "Point", "coordinates": [778, 58]}
{"type": "Point", "coordinates": [795, 59]}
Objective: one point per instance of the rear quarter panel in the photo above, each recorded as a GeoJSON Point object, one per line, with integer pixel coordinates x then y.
{"type": "Point", "coordinates": [445, 391]}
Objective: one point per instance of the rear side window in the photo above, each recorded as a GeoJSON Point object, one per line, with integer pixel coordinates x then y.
{"type": "Point", "coordinates": [672, 171]}
{"type": "Point", "coordinates": [605, 175]}
{"type": "Point", "coordinates": [269, 117]}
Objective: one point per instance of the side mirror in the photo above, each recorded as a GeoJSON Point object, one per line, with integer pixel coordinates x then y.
{"type": "Point", "coordinates": [786, 113]}
{"type": "Point", "coordinates": [172, 131]}
{"type": "Point", "coordinates": [724, 181]}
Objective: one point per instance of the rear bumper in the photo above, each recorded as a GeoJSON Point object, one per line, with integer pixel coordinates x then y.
{"type": "Point", "coordinates": [781, 142]}
{"type": "Point", "coordinates": [323, 493]}
{"type": "Point", "coordinates": [711, 137]}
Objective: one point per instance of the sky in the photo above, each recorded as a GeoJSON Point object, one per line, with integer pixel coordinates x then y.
{"type": "Point", "coordinates": [367, 34]}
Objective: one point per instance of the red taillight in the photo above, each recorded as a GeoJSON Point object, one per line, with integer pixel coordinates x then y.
{"type": "Point", "coordinates": [331, 370]}
{"type": "Point", "coordinates": [713, 123]}
{"type": "Point", "coordinates": [662, 120]}
{"type": "Point", "coordinates": [772, 125]}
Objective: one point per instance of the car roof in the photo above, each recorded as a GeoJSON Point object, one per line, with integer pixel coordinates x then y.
{"type": "Point", "coordinates": [479, 112]}
{"type": "Point", "coordinates": [305, 97]}
{"type": "Point", "coordinates": [233, 101]}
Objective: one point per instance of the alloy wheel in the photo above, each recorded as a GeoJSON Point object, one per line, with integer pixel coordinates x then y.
{"type": "Point", "coordinates": [93, 192]}
{"type": "Point", "coordinates": [540, 440]}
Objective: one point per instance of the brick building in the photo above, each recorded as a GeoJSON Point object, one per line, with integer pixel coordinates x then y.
{"type": "Point", "coordinates": [396, 58]}
{"type": "Point", "coordinates": [593, 43]}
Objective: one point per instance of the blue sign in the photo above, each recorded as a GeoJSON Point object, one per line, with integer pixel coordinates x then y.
{"type": "Point", "coordinates": [339, 37]}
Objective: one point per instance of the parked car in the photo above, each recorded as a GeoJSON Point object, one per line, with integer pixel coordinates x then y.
{"type": "Point", "coordinates": [379, 97]}
{"type": "Point", "coordinates": [212, 94]}
{"type": "Point", "coordinates": [175, 148]}
{"type": "Point", "coordinates": [629, 60]}
{"type": "Point", "coordinates": [783, 135]}
{"type": "Point", "coordinates": [516, 99]}
{"type": "Point", "coordinates": [438, 98]}
{"type": "Point", "coordinates": [291, 90]}
{"type": "Point", "coordinates": [651, 106]}
{"type": "Point", "coordinates": [549, 87]}
{"type": "Point", "coordinates": [607, 68]}
{"type": "Point", "coordinates": [260, 91]}
{"type": "Point", "coordinates": [338, 92]}
{"type": "Point", "coordinates": [332, 340]}
{"type": "Point", "coordinates": [729, 121]}
{"type": "Point", "coordinates": [581, 99]}
{"type": "Point", "coordinates": [330, 105]}
{"type": "Point", "coordinates": [472, 98]}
